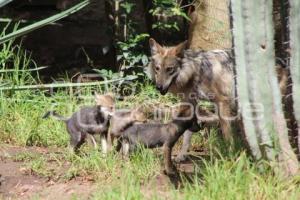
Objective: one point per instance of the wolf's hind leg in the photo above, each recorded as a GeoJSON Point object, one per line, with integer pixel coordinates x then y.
{"type": "Point", "coordinates": [182, 155]}
{"type": "Point", "coordinates": [225, 118]}
{"type": "Point", "coordinates": [76, 140]}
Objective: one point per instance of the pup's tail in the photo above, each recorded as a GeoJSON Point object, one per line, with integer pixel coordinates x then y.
{"type": "Point", "coordinates": [55, 115]}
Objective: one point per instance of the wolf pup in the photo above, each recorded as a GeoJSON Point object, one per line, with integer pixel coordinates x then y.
{"type": "Point", "coordinates": [153, 135]}
{"type": "Point", "coordinates": [107, 102]}
{"type": "Point", "coordinates": [88, 120]}
{"type": "Point", "coordinates": [121, 120]}
{"type": "Point", "coordinates": [195, 75]}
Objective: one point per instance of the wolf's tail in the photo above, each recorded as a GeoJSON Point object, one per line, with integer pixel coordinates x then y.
{"type": "Point", "coordinates": [55, 115]}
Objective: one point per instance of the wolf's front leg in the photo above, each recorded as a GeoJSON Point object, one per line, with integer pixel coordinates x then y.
{"type": "Point", "coordinates": [169, 167]}
{"type": "Point", "coordinates": [182, 156]}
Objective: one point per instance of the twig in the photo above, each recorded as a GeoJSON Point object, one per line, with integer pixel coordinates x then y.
{"type": "Point", "coordinates": [22, 70]}
{"type": "Point", "coordinates": [61, 85]}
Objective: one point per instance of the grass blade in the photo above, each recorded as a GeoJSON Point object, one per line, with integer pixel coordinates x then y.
{"type": "Point", "coordinates": [62, 85]}
{"type": "Point", "coordinates": [23, 70]}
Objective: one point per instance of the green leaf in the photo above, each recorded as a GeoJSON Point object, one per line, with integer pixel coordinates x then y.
{"type": "Point", "coordinates": [145, 60]}
{"type": "Point", "coordinates": [128, 7]}
{"type": "Point", "coordinates": [4, 2]}
{"type": "Point", "coordinates": [44, 22]}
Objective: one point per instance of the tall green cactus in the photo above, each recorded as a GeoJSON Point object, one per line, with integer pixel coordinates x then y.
{"type": "Point", "coordinates": [257, 86]}
{"type": "Point", "coordinates": [294, 24]}
{"type": "Point", "coordinates": [242, 83]}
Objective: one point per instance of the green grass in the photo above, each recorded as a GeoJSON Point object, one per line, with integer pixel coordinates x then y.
{"type": "Point", "coordinates": [239, 178]}
{"type": "Point", "coordinates": [218, 173]}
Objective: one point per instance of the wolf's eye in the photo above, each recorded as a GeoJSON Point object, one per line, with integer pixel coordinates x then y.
{"type": "Point", "coordinates": [156, 68]}
{"type": "Point", "coordinates": [170, 70]}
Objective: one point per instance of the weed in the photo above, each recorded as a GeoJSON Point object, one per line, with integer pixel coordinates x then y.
{"type": "Point", "coordinates": [39, 167]}
{"type": "Point", "coordinates": [24, 157]}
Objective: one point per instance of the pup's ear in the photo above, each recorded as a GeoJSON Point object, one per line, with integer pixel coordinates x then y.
{"type": "Point", "coordinates": [111, 95]}
{"type": "Point", "coordinates": [97, 97]}
{"type": "Point", "coordinates": [155, 47]}
{"type": "Point", "coordinates": [139, 115]}
{"type": "Point", "coordinates": [178, 49]}
{"type": "Point", "coordinates": [105, 99]}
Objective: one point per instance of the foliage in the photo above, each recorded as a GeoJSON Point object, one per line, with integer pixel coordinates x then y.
{"type": "Point", "coordinates": [39, 24]}
{"type": "Point", "coordinates": [132, 52]}
{"type": "Point", "coordinates": [166, 9]}
{"type": "Point", "coordinates": [4, 2]}
{"type": "Point", "coordinates": [132, 56]}
{"type": "Point", "coordinates": [15, 63]}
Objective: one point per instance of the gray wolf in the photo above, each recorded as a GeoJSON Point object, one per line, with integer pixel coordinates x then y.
{"type": "Point", "coordinates": [121, 120]}
{"type": "Point", "coordinates": [151, 135]}
{"type": "Point", "coordinates": [195, 75]}
{"type": "Point", "coordinates": [88, 120]}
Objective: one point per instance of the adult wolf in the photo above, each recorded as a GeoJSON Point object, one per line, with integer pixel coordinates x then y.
{"type": "Point", "coordinates": [195, 75]}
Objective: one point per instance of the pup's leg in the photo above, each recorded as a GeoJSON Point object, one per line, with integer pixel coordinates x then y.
{"type": "Point", "coordinates": [103, 144]}
{"type": "Point", "coordinates": [169, 167]}
{"type": "Point", "coordinates": [119, 145]}
{"type": "Point", "coordinates": [185, 146]}
{"type": "Point", "coordinates": [76, 140]}
{"type": "Point", "coordinates": [110, 141]}
{"type": "Point", "coordinates": [93, 141]}
{"type": "Point", "coordinates": [125, 149]}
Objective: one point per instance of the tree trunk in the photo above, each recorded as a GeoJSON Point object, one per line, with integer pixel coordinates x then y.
{"type": "Point", "coordinates": [210, 25]}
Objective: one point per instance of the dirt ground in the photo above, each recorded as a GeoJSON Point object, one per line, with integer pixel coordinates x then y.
{"type": "Point", "coordinates": [16, 182]}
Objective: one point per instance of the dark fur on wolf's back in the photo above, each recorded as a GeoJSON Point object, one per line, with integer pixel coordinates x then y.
{"type": "Point", "coordinates": [153, 135]}
{"type": "Point", "coordinates": [88, 120]}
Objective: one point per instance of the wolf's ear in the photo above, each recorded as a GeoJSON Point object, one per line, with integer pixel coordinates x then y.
{"type": "Point", "coordinates": [155, 47]}
{"type": "Point", "coordinates": [178, 50]}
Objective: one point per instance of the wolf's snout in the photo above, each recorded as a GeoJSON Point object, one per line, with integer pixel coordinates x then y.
{"type": "Point", "coordinates": [159, 87]}
{"type": "Point", "coordinates": [163, 90]}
